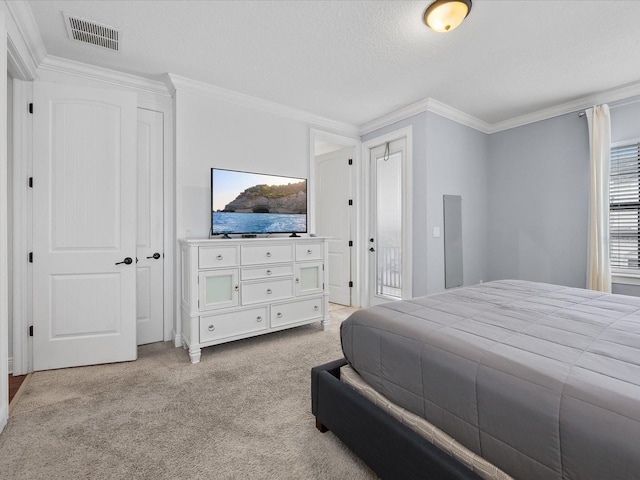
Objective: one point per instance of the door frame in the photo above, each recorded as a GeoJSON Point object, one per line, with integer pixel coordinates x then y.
{"type": "Point", "coordinates": [355, 143]}
{"type": "Point", "coordinates": [4, 233]}
{"type": "Point", "coordinates": [407, 202]}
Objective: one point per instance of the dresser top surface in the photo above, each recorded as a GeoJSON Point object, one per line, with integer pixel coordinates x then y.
{"type": "Point", "coordinates": [249, 241]}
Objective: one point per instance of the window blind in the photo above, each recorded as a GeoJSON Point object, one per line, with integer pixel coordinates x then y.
{"type": "Point", "coordinates": [624, 207]}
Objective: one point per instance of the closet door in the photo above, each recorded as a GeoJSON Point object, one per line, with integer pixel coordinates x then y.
{"type": "Point", "coordinates": [150, 251]}
{"type": "Point", "coordinates": [84, 226]}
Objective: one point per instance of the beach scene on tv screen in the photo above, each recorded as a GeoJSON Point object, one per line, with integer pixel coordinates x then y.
{"type": "Point", "coordinates": [245, 202]}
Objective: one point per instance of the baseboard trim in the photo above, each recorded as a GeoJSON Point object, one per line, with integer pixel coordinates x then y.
{"type": "Point", "coordinates": [177, 339]}
{"type": "Point", "coordinates": [4, 416]}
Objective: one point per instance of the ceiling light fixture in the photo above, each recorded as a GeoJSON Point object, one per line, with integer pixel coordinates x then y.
{"type": "Point", "coordinates": [446, 15]}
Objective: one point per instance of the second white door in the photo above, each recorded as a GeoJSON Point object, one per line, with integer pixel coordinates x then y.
{"type": "Point", "coordinates": [334, 219]}
{"type": "Point", "coordinates": [150, 250]}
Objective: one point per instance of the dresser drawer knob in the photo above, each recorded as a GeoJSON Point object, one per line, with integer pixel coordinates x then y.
{"type": "Point", "coordinates": [279, 315]}
{"type": "Point", "coordinates": [269, 291]}
{"type": "Point", "coordinates": [259, 319]}
{"type": "Point", "coordinates": [297, 280]}
{"type": "Point", "coordinates": [316, 308]}
{"type": "Point", "coordinates": [237, 288]}
{"type": "Point", "coordinates": [309, 252]}
{"type": "Point", "coordinates": [268, 272]}
{"type": "Point", "coordinates": [211, 328]}
{"type": "Point", "coordinates": [268, 254]}
{"type": "Point", "coordinates": [219, 257]}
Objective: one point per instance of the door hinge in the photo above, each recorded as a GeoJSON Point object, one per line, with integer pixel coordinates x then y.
{"type": "Point", "coordinates": [30, 182]}
{"type": "Point", "coordinates": [351, 161]}
{"type": "Point", "coordinates": [350, 202]}
{"type": "Point", "coordinates": [30, 257]}
{"type": "Point", "coordinates": [351, 243]}
{"type": "Point", "coordinates": [31, 330]}
{"type": "Point", "coordinates": [350, 284]}
{"type": "Point", "coordinates": [30, 107]}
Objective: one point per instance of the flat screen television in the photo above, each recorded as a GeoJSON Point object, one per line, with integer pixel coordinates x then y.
{"type": "Point", "coordinates": [255, 203]}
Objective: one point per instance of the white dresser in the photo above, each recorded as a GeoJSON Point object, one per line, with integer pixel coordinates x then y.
{"type": "Point", "coordinates": [239, 288]}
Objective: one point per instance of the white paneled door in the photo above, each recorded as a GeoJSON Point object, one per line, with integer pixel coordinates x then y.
{"type": "Point", "coordinates": [84, 226]}
{"type": "Point", "coordinates": [150, 266]}
{"type": "Point", "coordinates": [334, 219]}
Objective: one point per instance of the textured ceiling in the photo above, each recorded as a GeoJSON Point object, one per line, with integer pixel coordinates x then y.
{"type": "Point", "coordinates": [354, 61]}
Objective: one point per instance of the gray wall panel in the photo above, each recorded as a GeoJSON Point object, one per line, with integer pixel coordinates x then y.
{"type": "Point", "coordinates": [538, 201]}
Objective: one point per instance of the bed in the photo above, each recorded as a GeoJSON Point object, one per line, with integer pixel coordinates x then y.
{"type": "Point", "coordinates": [540, 381]}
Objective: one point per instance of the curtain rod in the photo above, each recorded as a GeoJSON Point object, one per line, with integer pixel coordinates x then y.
{"type": "Point", "coordinates": [582, 113]}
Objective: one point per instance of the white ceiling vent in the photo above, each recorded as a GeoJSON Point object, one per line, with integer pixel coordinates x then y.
{"type": "Point", "coordinates": [88, 31]}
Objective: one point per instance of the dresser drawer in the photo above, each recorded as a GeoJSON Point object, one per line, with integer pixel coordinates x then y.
{"type": "Point", "coordinates": [267, 271]}
{"type": "Point", "coordinates": [294, 312]}
{"type": "Point", "coordinates": [309, 251]}
{"type": "Point", "coordinates": [268, 291]}
{"type": "Point", "coordinates": [212, 257]}
{"type": "Point", "coordinates": [261, 254]}
{"type": "Point", "coordinates": [215, 327]}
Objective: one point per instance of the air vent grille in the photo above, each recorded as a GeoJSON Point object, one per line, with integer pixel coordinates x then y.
{"type": "Point", "coordinates": [97, 34]}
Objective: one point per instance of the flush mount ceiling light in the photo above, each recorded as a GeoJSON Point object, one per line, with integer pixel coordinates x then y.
{"type": "Point", "coordinates": [446, 15]}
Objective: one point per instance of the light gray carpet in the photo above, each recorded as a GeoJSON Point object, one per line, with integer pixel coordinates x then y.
{"type": "Point", "coordinates": [244, 412]}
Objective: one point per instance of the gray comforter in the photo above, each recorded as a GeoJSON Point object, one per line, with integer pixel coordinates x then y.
{"type": "Point", "coordinates": [541, 380]}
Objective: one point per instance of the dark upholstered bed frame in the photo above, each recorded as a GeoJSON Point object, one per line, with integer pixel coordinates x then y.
{"type": "Point", "coordinates": [391, 449]}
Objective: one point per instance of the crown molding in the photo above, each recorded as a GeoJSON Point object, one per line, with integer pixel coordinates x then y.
{"type": "Point", "coordinates": [112, 77]}
{"type": "Point", "coordinates": [25, 46]}
{"type": "Point", "coordinates": [176, 82]}
{"type": "Point", "coordinates": [426, 105]}
{"type": "Point", "coordinates": [608, 96]}
{"type": "Point", "coordinates": [451, 113]}
{"type": "Point", "coordinates": [395, 116]}
{"type": "Point", "coordinates": [613, 95]}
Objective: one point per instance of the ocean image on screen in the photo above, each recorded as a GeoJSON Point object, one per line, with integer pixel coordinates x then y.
{"type": "Point", "coordinates": [227, 222]}
{"type": "Point", "coordinates": [243, 202]}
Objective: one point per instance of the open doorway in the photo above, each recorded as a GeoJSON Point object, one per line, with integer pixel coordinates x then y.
{"type": "Point", "coordinates": [334, 162]}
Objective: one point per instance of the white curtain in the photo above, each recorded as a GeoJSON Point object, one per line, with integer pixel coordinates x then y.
{"type": "Point", "coordinates": [598, 263]}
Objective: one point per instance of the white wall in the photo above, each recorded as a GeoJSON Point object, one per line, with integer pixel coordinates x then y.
{"type": "Point", "coordinates": [210, 132]}
{"type": "Point", "coordinates": [215, 133]}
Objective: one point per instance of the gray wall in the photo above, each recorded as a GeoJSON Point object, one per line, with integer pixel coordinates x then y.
{"type": "Point", "coordinates": [538, 198]}
{"type": "Point", "coordinates": [448, 158]}
{"type": "Point", "coordinates": [625, 122]}
{"type": "Point", "coordinates": [525, 197]}
{"type": "Point", "coordinates": [538, 201]}
{"type": "Point", "coordinates": [457, 161]}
